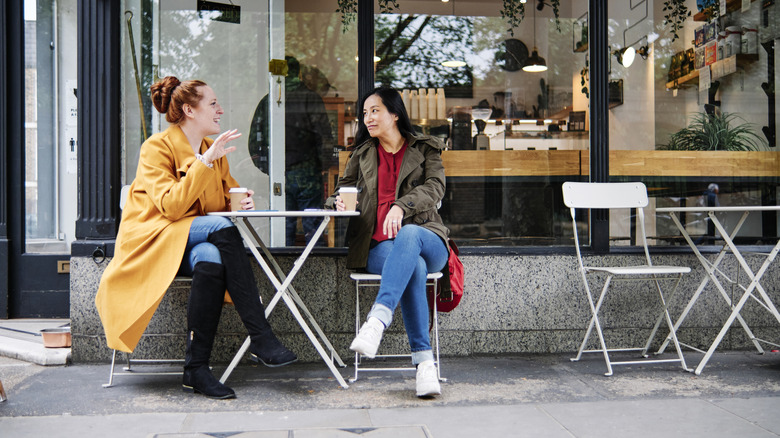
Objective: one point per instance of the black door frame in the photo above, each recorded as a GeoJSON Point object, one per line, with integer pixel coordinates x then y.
{"type": "Point", "coordinates": [30, 285]}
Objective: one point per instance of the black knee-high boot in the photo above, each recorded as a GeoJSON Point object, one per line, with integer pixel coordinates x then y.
{"type": "Point", "coordinates": [265, 347]}
{"type": "Point", "coordinates": [203, 312]}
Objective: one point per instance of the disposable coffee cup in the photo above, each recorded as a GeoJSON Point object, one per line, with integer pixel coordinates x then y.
{"type": "Point", "coordinates": [349, 196]}
{"type": "Point", "coordinates": [236, 195]}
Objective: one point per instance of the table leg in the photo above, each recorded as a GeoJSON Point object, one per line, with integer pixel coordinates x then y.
{"type": "Point", "coordinates": [709, 269]}
{"type": "Point", "coordinates": [291, 290]}
{"type": "Point", "coordinates": [285, 292]}
{"type": "Point", "coordinates": [755, 278]}
{"type": "Point", "coordinates": [748, 292]}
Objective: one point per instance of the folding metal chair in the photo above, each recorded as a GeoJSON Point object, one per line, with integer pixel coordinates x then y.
{"type": "Point", "coordinates": [128, 369]}
{"type": "Point", "coordinates": [621, 196]}
{"type": "Point", "coordinates": [363, 280]}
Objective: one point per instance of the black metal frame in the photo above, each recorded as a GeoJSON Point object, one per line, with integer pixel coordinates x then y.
{"type": "Point", "coordinates": [11, 130]}
{"type": "Point", "coordinates": [599, 115]}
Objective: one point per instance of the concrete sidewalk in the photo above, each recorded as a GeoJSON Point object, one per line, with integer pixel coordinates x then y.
{"type": "Point", "coordinates": [523, 395]}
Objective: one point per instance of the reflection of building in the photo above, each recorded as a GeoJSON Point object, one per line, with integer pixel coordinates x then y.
{"type": "Point", "coordinates": [502, 199]}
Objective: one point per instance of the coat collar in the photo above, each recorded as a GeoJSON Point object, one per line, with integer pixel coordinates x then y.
{"type": "Point", "coordinates": [413, 157]}
{"type": "Point", "coordinates": [180, 147]}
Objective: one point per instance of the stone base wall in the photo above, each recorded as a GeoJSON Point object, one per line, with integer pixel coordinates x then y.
{"type": "Point", "coordinates": [512, 304]}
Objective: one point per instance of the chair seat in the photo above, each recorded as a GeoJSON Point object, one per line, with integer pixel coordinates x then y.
{"type": "Point", "coordinates": [639, 270]}
{"type": "Point", "coordinates": [363, 279]}
{"type": "Point", "coordinates": [362, 276]}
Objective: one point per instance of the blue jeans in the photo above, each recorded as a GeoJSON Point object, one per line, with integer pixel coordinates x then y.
{"type": "Point", "coordinates": [404, 263]}
{"type": "Point", "coordinates": [198, 248]}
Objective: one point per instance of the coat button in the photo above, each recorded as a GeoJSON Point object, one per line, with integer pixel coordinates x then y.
{"type": "Point", "coordinates": [410, 204]}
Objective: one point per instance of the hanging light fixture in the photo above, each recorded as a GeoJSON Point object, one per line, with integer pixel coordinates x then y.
{"type": "Point", "coordinates": [535, 63]}
{"type": "Point", "coordinates": [453, 63]}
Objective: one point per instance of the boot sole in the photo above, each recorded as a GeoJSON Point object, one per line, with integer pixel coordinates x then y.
{"type": "Point", "coordinates": [190, 389]}
{"type": "Point", "coordinates": [256, 359]}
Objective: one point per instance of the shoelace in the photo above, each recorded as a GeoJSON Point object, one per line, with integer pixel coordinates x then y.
{"type": "Point", "coordinates": [372, 331]}
{"type": "Point", "coordinates": [428, 372]}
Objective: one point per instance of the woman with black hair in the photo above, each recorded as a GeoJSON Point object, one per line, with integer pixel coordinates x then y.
{"type": "Point", "coordinates": [399, 233]}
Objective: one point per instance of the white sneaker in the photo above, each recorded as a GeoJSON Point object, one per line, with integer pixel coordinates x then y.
{"type": "Point", "coordinates": [367, 340]}
{"type": "Point", "coordinates": [427, 380]}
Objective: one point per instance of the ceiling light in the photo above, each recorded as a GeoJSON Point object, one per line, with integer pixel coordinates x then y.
{"type": "Point", "coordinates": [376, 58]}
{"type": "Point", "coordinates": [535, 63]}
{"type": "Point", "coordinates": [453, 63]}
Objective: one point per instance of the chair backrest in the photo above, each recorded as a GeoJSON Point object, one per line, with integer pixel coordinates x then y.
{"type": "Point", "coordinates": [123, 196]}
{"type": "Point", "coordinates": [604, 195]}
{"type": "Point", "coordinates": [607, 196]}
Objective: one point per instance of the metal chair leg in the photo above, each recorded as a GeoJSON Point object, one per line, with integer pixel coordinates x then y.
{"type": "Point", "coordinates": [2, 393]}
{"type": "Point", "coordinates": [111, 374]}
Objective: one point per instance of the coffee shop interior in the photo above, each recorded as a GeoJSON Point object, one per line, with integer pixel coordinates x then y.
{"type": "Point", "coordinates": [506, 86]}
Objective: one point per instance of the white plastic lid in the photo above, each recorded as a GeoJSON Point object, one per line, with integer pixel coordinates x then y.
{"type": "Point", "coordinates": [348, 189]}
{"type": "Point", "coordinates": [238, 190]}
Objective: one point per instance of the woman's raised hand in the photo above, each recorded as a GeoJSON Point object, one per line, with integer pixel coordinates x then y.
{"type": "Point", "coordinates": [219, 148]}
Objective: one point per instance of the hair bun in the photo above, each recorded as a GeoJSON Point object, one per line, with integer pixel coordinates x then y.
{"type": "Point", "coordinates": [161, 92]}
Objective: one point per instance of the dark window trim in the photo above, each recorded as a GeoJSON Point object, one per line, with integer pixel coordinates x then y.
{"type": "Point", "coordinates": [599, 115]}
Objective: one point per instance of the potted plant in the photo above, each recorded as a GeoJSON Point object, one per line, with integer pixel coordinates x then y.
{"type": "Point", "coordinates": [348, 10]}
{"type": "Point", "coordinates": [513, 12]}
{"type": "Point", "coordinates": [675, 14]}
{"type": "Point", "coordinates": [714, 132]}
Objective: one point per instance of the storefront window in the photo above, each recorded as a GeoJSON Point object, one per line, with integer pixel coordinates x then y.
{"type": "Point", "coordinates": [513, 134]}
{"type": "Point", "coordinates": [293, 115]}
{"type": "Point", "coordinates": [693, 116]}
{"type": "Point", "coordinates": [50, 119]}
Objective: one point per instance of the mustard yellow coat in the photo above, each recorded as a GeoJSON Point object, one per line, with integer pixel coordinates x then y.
{"type": "Point", "coordinates": [171, 188]}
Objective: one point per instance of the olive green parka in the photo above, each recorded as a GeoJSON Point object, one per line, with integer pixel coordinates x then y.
{"type": "Point", "coordinates": [418, 193]}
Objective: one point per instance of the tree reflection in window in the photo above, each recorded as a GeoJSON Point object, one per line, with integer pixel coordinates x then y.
{"type": "Point", "coordinates": [412, 48]}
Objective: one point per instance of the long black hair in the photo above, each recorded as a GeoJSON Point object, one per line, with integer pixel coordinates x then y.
{"type": "Point", "coordinates": [391, 99]}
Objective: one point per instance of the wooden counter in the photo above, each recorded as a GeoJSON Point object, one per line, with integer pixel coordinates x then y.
{"type": "Point", "coordinates": [621, 163]}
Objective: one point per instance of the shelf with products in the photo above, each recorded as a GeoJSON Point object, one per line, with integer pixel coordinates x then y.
{"type": "Point", "coordinates": [731, 6]}
{"type": "Point", "coordinates": [545, 134]}
{"type": "Point", "coordinates": [738, 60]}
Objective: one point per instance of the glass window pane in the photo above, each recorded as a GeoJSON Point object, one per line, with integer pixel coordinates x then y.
{"type": "Point", "coordinates": [171, 37]}
{"type": "Point", "coordinates": [514, 134]}
{"type": "Point", "coordinates": [691, 117]}
{"type": "Point", "coordinates": [41, 170]}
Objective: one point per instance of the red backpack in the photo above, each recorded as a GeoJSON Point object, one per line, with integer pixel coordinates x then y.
{"type": "Point", "coordinates": [448, 298]}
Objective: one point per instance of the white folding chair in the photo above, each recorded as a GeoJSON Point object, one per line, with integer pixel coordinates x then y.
{"type": "Point", "coordinates": [621, 196]}
{"type": "Point", "coordinates": [128, 369]}
{"type": "Point", "coordinates": [363, 280]}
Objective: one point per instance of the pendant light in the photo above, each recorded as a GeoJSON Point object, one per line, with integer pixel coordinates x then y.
{"type": "Point", "coordinates": [535, 63]}
{"type": "Point", "coordinates": [453, 63]}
